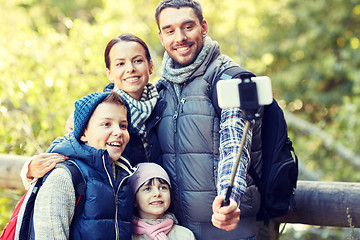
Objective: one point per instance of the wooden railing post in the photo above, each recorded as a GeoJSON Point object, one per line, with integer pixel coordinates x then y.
{"type": "Point", "coordinates": [10, 167]}
{"type": "Point", "coordinates": [270, 232]}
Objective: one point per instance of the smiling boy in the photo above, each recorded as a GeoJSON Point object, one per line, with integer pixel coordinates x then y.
{"type": "Point", "coordinates": [95, 146]}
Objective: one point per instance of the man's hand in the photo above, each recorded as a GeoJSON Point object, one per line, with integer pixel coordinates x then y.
{"type": "Point", "coordinates": [226, 217]}
{"type": "Point", "coordinates": [43, 163]}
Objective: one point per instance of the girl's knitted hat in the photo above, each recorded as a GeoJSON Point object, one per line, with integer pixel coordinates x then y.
{"type": "Point", "coordinates": [146, 171]}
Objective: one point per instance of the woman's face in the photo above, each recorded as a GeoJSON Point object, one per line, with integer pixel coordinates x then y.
{"type": "Point", "coordinates": [129, 69]}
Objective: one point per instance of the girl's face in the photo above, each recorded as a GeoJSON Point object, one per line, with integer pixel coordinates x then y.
{"type": "Point", "coordinates": [107, 129]}
{"type": "Point", "coordinates": [153, 200]}
{"type": "Point", "coordinates": [129, 69]}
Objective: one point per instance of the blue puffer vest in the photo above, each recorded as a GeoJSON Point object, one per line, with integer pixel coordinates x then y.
{"type": "Point", "coordinates": [189, 138]}
{"type": "Point", "coordinates": [108, 207]}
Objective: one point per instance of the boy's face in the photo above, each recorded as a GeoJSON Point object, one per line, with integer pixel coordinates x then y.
{"type": "Point", "coordinates": [181, 34]}
{"type": "Point", "coordinates": [107, 129]}
{"type": "Point", "coordinates": [153, 200]}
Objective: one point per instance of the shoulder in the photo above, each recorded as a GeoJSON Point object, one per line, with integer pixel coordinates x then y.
{"type": "Point", "coordinates": [179, 232]}
{"type": "Point", "coordinates": [57, 179]}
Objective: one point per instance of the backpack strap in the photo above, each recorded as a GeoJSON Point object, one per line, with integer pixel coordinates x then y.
{"type": "Point", "coordinates": [227, 73]}
{"type": "Point", "coordinates": [27, 221]}
{"type": "Point", "coordinates": [79, 186]}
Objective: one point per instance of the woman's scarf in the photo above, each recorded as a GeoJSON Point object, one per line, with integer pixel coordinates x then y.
{"type": "Point", "coordinates": [140, 110]}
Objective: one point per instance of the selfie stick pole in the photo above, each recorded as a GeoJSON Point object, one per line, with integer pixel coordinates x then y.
{"type": "Point", "coordinates": [226, 201]}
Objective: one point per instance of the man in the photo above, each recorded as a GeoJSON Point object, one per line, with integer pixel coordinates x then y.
{"type": "Point", "coordinates": [190, 130]}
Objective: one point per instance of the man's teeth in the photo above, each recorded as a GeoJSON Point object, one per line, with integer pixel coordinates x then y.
{"type": "Point", "coordinates": [182, 49]}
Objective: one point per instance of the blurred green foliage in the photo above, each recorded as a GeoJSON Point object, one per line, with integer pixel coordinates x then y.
{"type": "Point", "coordinates": [51, 53]}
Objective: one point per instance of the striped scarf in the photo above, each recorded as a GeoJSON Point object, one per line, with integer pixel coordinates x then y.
{"type": "Point", "coordinates": [140, 110]}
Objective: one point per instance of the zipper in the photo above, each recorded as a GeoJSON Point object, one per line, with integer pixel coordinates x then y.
{"type": "Point", "coordinates": [182, 102]}
{"type": "Point", "coordinates": [177, 162]}
{"type": "Point", "coordinates": [115, 195]}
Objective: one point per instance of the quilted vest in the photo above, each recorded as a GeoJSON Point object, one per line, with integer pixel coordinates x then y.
{"type": "Point", "coordinates": [106, 213]}
{"type": "Point", "coordinates": [189, 138]}
{"type": "Point", "coordinates": [108, 210]}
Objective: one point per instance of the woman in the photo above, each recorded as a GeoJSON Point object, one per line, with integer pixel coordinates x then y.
{"type": "Point", "coordinates": [128, 67]}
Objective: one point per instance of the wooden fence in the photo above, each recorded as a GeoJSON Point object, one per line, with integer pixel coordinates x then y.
{"type": "Point", "coordinates": [318, 203]}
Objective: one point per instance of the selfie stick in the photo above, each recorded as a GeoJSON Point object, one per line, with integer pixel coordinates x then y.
{"type": "Point", "coordinates": [226, 201]}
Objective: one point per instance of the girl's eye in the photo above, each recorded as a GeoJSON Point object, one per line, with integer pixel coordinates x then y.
{"type": "Point", "coordinates": [146, 189]}
{"type": "Point", "coordinates": [123, 126]}
{"type": "Point", "coordinates": [119, 64]}
{"type": "Point", "coordinates": [163, 188]}
{"type": "Point", "coordinates": [138, 61]}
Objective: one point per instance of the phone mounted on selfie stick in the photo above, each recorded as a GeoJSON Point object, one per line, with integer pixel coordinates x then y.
{"type": "Point", "coordinates": [248, 95]}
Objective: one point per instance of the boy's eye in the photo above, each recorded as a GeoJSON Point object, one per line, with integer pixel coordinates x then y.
{"type": "Point", "coordinates": [106, 124]}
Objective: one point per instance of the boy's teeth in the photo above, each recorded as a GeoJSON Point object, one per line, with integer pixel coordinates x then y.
{"type": "Point", "coordinates": [114, 144]}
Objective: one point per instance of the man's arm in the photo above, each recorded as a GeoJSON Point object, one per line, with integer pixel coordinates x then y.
{"type": "Point", "coordinates": [231, 132]}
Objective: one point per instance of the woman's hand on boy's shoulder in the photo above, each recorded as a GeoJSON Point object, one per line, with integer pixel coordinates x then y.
{"type": "Point", "coordinates": [43, 163]}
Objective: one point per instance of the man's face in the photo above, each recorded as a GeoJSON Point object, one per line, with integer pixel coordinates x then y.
{"type": "Point", "coordinates": [181, 34]}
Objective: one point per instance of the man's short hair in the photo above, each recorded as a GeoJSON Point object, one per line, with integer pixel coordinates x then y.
{"type": "Point", "coordinates": [194, 4]}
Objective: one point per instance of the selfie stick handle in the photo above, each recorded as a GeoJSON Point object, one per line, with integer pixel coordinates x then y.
{"type": "Point", "coordinates": [226, 201]}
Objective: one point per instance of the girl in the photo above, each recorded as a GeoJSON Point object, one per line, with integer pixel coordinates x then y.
{"type": "Point", "coordinates": [150, 186]}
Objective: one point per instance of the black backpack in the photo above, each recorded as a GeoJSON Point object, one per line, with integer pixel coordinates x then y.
{"type": "Point", "coordinates": [26, 231]}
{"type": "Point", "coordinates": [279, 162]}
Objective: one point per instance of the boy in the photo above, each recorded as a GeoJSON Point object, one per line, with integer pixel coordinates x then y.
{"type": "Point", "coordinates": [96, 144]}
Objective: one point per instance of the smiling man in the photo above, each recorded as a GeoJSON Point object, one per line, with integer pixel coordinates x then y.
{"type": "Point", "coordinates": [198, 151]}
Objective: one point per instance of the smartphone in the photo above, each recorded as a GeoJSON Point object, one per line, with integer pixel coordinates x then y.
{"type": "Point", "coordinates": [229, 95]}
